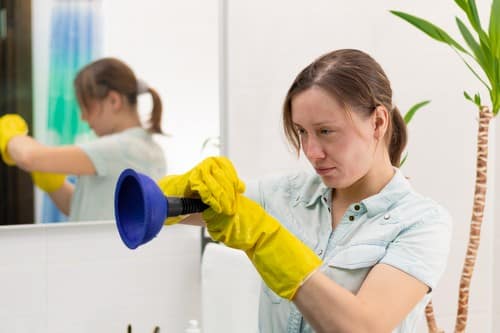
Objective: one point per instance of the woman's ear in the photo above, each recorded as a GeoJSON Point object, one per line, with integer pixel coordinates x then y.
{"type": "Point", "coordinates": [114, 100]}
{"type": "Point", "coordinates": [380, 121]}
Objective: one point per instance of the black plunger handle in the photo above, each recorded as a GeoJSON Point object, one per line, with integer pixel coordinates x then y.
{"type": "Point", "coordinates": [181, 206]}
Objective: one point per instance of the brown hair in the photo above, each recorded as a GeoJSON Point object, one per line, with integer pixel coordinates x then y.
{"type": "Point", "coordinates": [97, 79]}
{"type": "Point", "coordinates": [359, 83]}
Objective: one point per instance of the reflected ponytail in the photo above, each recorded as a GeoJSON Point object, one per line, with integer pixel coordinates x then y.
{"type": "Point", "coordinates": [155, 119]}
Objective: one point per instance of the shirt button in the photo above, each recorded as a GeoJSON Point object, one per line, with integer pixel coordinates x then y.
{"type": "Point", "coordinates": [357, 207]}
{"type": "Point", "coordinates": [351, 218]}
{"type": "Point", "coordinates": [387, 216]}
{"type": "Point", "coordinates": [320, 252]}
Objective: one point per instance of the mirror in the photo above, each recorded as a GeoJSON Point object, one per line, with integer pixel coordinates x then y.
{"type": "Point", "coordinates": [172, 45]}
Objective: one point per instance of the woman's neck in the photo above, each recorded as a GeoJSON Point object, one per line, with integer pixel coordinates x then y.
{"type": "Point", "coordinates": [128, 119]}
{"type": "Point", "coordinates": [370, 184]}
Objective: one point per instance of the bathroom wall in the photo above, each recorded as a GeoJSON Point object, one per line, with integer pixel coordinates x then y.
{"type": "Point", "coordinates": [268, 43]}
{"type": "Point", "coordinates": [80, 278]}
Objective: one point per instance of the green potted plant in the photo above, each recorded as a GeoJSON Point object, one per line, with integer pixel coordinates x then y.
{"type": "Point", "coordinates": [481, 55]}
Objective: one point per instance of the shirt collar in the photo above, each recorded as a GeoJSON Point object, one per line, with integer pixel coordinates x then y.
{"type": "Point", "coordinates": [397, 188]}
{"type": "Point", "coordinates": [321, 191]}
{"type": "Point", "coordinates": [310, 190]}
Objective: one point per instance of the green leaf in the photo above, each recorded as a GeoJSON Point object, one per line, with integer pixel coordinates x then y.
{"type": "Point", "coordinates": [473, 71]}
{"type": "Point", "coordinates": [476, 24]}
{"type": "Point", "coordinates": [473, 15]}
{"type": "Point", "coordinates": [462, 4]}
{"type": "Point", "coordinates": [471, 42]}
{"type": "Point", "coordinates": [481, 52]}
{"type": "Point", "coordinates": [496, 101]}
{"type": "Point", "coordinates": [214, 141]}
{"type": "Point", "coordinates": [494, 28]}
{"type": "Point", "coordinates": [477, 99]}
{"type": "Point", "coordinates": [409, 115]}
{"type": "Point", "coordinates": [403, 160]}
{"type": "Point", "coordinates": [430, 29]}
{"type": "Point", "coordinates": [470, 9]}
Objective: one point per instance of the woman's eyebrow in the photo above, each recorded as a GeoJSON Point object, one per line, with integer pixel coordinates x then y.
{"type": "Point", "coordinates": [326, 123]}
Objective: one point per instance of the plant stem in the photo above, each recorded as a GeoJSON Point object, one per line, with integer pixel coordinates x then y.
{"type": "Point", "coordinates": [485, 115]}
{"type": "Point", "coordinates": [431, 320]}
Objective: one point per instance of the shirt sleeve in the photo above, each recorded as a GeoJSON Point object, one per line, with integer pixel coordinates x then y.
{"type": "Point", "coordinates": [253, 192]}
{"type": "Point", "coordinates": [422, 249]}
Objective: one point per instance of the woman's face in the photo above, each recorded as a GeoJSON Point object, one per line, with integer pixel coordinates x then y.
{"type": "Point", "coordinates": [98, 117]}
{"type": "Point", "coordinates": [339, 144]}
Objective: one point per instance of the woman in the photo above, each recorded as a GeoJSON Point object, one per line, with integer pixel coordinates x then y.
{"type": "Point", "coordinates": [107, 91]}
{"type": "Point", "coordinates": [351, 248]}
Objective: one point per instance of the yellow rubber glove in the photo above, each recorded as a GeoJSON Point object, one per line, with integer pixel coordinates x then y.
{"type": "Point", "coordinates": [281, 259]}
{"type": "Point", "coordinates": [214, 179]}
{"type": "Point", "coordinates": [10, 126]}
{"type": "Point", "coordinates": [48, 182]}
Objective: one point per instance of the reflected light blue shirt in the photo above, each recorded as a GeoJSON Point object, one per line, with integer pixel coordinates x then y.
{"type": "Point", "coordinates": [134, 148]}
{"type": "Point", "coordinates": [397, 227]}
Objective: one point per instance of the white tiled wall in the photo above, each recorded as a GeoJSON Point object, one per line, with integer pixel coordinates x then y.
{"type": "Point", "coordinates": [81, 278]}
{"type": "Point", "coordinates": [23, 280]}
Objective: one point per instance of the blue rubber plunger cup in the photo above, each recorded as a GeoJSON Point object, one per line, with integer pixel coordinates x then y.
{"type": "Point", "coordinates": [141, 208]}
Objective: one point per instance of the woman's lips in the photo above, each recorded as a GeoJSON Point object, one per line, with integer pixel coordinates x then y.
{"type": "Point", "coordinates": [324, 171]}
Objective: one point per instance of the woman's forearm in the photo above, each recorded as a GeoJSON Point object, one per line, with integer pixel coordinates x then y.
{"type": "Point", "coordinates": [62, 197]}
{"type": "Point", "coordinates": [30, 155]}
{"type": "Point", "coordinates": [385, 298]}
{"type": "Point", "coordinates": [328, 307]}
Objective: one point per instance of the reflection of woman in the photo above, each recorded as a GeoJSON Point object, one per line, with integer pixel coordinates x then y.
{"type": "Point", "coordinates": [352, 248]}
{"type": "Point", "coordinates": [107, 92]}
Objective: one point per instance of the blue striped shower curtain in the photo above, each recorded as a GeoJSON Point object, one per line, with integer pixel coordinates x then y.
{"type": "Point", "coordinates": [74, 42]}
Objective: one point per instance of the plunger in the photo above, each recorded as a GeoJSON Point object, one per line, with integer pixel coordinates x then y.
{"type": "Point", "coordinates": [141, 208]}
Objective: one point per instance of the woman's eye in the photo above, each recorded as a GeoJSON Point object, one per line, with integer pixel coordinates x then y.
{"type": "Point", "coordinates": [301, 131]}
{"type": "Point", "coordinates": [325, 131]}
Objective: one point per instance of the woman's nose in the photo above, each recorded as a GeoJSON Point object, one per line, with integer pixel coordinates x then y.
{"type": "Point", "coordinates": [313, 149]}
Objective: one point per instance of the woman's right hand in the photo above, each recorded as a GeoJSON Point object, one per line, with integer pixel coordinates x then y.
{"type": "Point", "coordinates": [214, 181]}
{"type": "Point", "coordinates": [11, 125]}
{"type": "Point", "coordinates": [48, 182]}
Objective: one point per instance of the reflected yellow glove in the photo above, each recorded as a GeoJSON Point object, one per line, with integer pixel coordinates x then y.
{"type": "Point", "coordinates": [48, 182]}
{"type": "Point", "coordinates": [281, 259]}
{"type": "Point", "coordinates": [10, 126]}
{"type": "Point", "coordinates": [214, 180]}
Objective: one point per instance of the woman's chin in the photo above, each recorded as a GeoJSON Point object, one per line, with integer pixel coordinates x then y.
{"type": "Point", "coordinates": [332, 181]}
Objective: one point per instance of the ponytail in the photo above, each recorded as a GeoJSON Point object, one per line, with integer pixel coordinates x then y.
{"type": "Point", "coordinates": [155, 120]}
{"type": "Point", "coordinates": [398, 137]}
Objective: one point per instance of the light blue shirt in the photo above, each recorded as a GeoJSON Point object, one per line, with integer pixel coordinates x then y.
{"type": "Point", "coordinates": [93, 198]}
{"type": "Point", "coordinates": [397, 227]}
